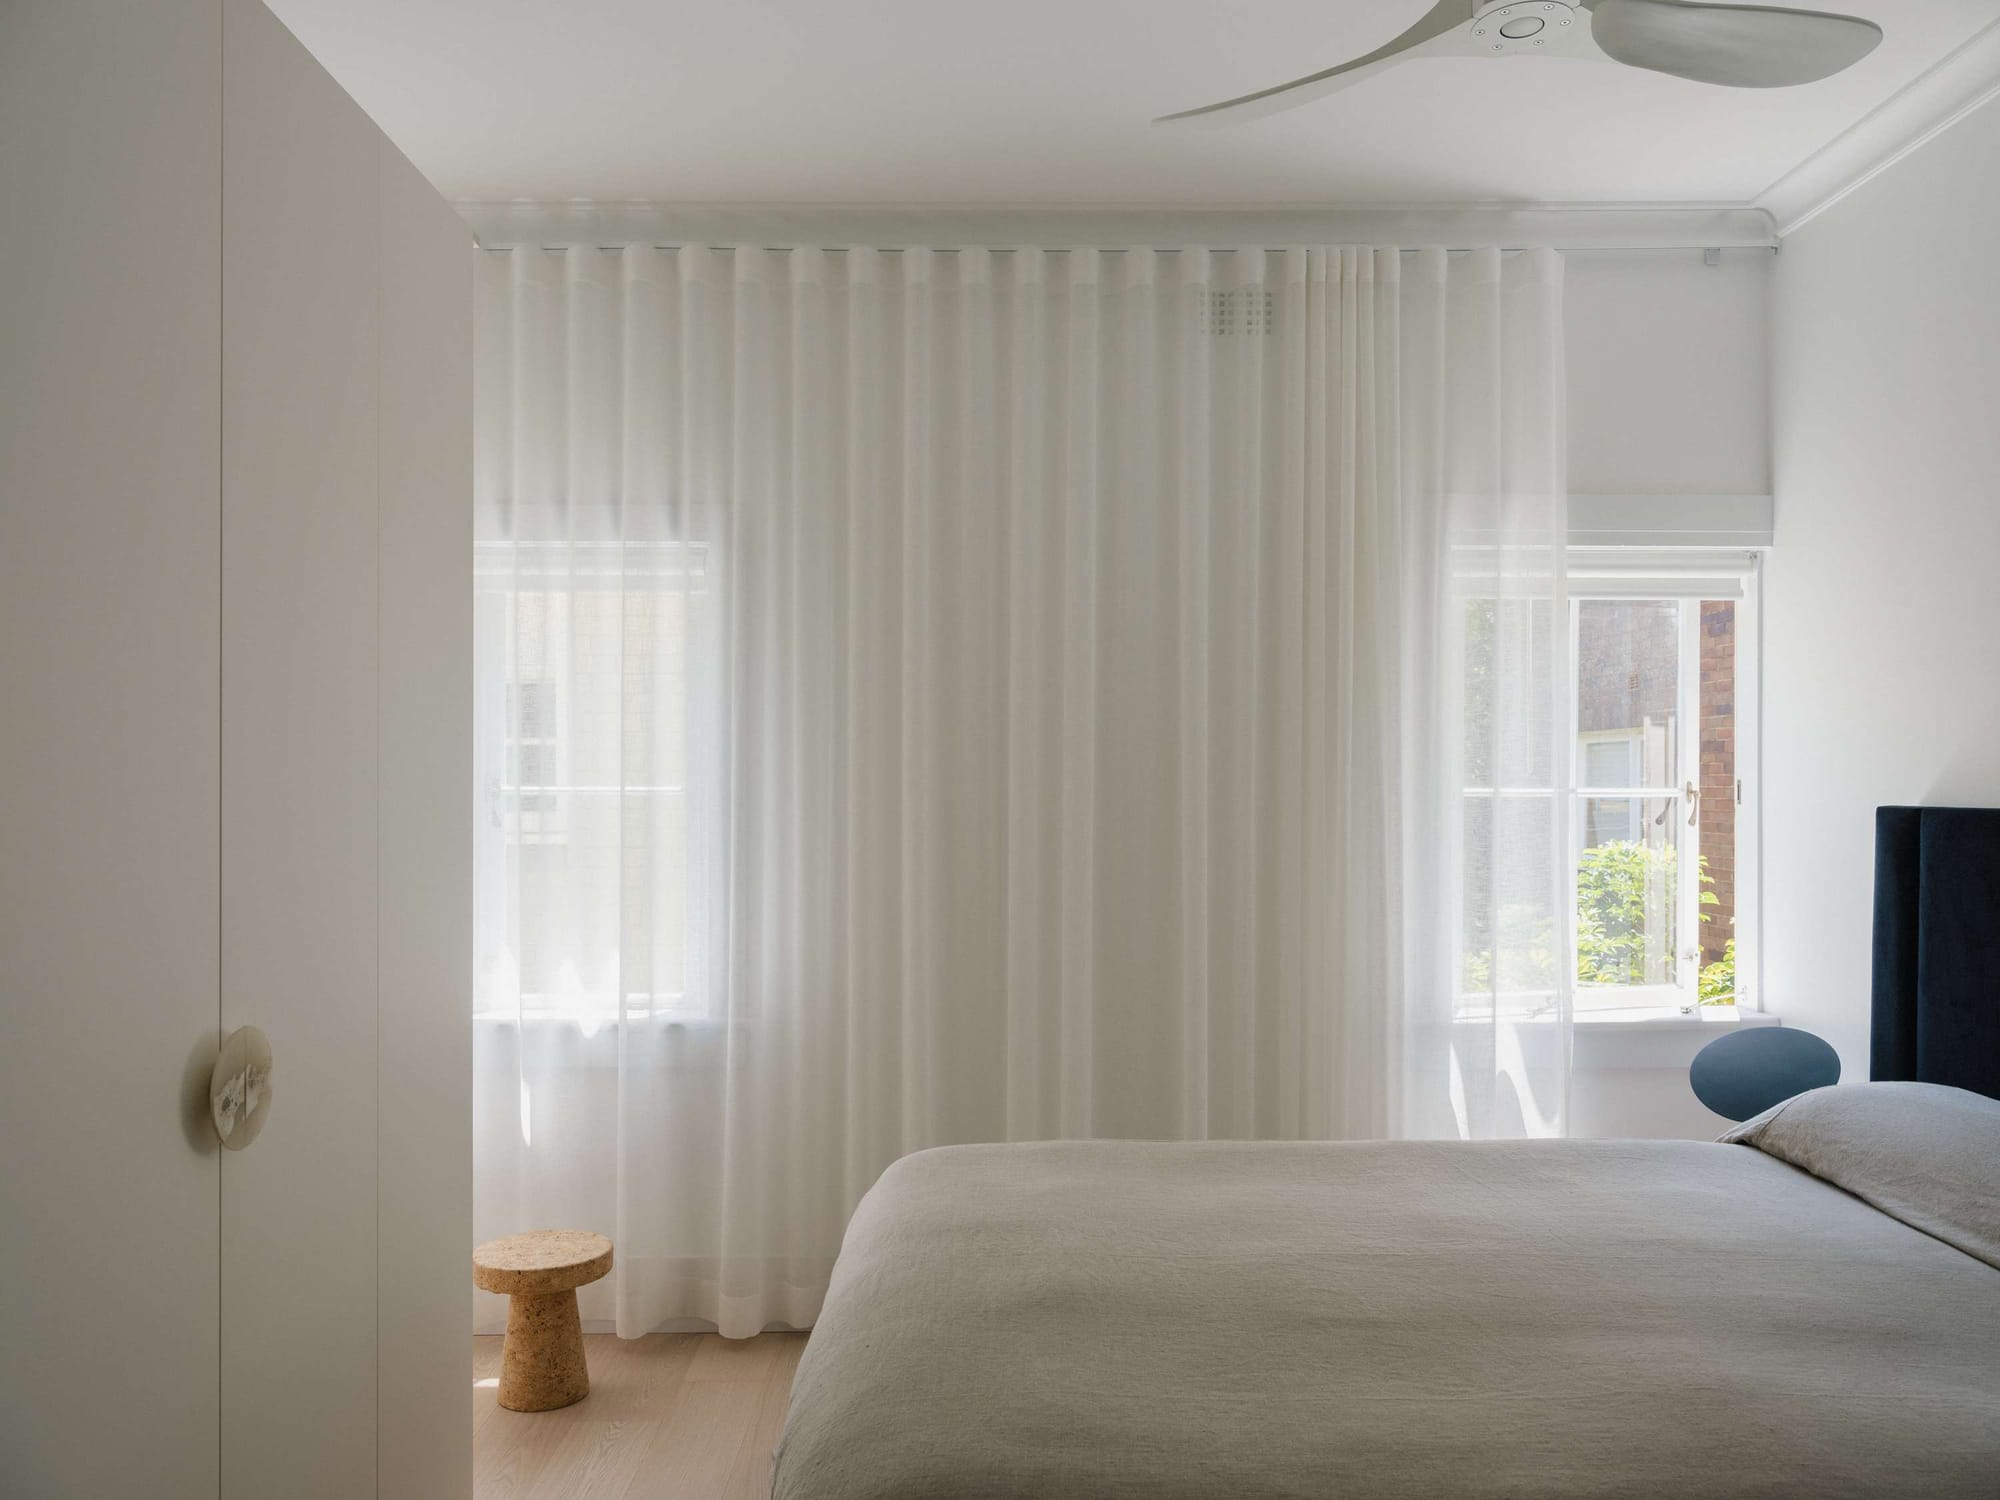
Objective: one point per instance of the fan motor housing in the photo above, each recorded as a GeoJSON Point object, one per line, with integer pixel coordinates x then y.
{"type": "Point", "coordinates": [1526, 26]}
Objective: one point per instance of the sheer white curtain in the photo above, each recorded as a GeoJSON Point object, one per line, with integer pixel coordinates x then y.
{"type": "Point", "coordinates": [932, 697]}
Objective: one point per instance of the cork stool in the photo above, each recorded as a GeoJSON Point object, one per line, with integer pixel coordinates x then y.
{"type": "Point", "coordinates": [541, 1364]}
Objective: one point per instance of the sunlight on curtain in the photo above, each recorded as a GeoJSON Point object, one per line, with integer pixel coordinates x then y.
{"type": "Point", "coordinates": [931, 697]}
{"type": "Point", "coordinates": [1490, 895]}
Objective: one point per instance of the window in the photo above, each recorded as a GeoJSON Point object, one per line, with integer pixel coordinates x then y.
{"type": "Point", "coordinates": [1663, 667]}
{"type": "Point", "coordinates": [527, 798]}
{"type": "Point", "coordinates": [1658, 855]}
{"type": "Point", "coordinates": [584, 713]}
{"type": "Point", "coordinates": [1511, 883]}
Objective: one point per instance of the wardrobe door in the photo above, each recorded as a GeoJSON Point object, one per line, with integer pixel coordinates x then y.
{"type": "Point", "coordinates": [425, 860]}
{"type": "Point", "coordinates": [109, 147]}
{"type": "Point", "coordinates": [300, 686]}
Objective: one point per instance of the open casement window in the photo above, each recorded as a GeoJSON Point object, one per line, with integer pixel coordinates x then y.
{"type": "Point", "coordinates": [589, 688]}
{"type": "Point", "coordinates": [1662, 838]}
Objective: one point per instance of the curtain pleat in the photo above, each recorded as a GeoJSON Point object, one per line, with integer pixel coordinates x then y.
{"type": "Point", "coordinates": [1000, 695]}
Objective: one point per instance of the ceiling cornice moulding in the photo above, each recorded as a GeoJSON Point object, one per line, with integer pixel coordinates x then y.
{"type": "Point", "coordinates": [1510, 226]}
{"type": "Point", "coordinates": [1949, 91]}
{"type": "Point", "coordinates": [1927, 106]}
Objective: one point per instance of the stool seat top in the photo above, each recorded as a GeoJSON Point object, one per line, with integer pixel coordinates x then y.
{"type": "Point", "coordinates": [542, 1260]}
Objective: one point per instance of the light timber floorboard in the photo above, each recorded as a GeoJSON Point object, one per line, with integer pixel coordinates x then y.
{"type": "Point", "coordinates": [673, 1416]}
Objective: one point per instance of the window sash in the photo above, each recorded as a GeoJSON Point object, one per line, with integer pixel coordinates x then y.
{"type": "Point", "coordinates": [1644, 578]}
{"type": "Point", "coordinates": [1687, 839]}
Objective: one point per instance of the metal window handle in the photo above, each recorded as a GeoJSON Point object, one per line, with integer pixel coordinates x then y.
{"type": "Point", "coordinates": [1694, 803]}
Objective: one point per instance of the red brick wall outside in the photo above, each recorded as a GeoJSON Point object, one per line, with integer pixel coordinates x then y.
{"type": "Point", "coordinates": [1718, 774]}
{"type": "Point", "coordinates": [1628, 672]}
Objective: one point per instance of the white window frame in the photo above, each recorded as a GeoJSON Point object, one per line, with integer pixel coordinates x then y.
{"type": "Point", "coordinates": [1689, 577]}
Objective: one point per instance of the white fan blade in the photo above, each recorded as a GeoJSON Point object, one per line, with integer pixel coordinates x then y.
{"type": "Point", "coordinates": [1444, 18]}
{"type": "Point", "coordinates": [1738, 46]}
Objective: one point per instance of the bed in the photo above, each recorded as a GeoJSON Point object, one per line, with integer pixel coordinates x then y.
{"type": "Point", "coordinates": [1810, 1307]}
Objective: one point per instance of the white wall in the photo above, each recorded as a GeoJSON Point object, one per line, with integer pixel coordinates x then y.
{"type": "Point", "coordinates": [1669, 372]}
{"type": "Point", "coordinates": [1881, 606]}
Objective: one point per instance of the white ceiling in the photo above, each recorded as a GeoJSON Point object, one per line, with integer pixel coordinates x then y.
{"type": "Point", "coordinates": [1046, 102]}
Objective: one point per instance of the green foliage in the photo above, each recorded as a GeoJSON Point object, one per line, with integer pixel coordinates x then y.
{"type": "Point", "coordinates": [1718, 980]}
{"type": "Point", "coordinates": [1527, 951]}
{"type": "Point", "coordinates": [1611, 885]}
{"type": "Point", "coordinates": [1613, 945]}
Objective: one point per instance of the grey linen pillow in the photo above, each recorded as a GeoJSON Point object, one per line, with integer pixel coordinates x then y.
{"type": "Point", "coordinates": [1920, 1152]}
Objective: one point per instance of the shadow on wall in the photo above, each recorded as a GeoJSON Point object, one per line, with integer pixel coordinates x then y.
{"type": "Point", "coordinates": [1639, 1103]}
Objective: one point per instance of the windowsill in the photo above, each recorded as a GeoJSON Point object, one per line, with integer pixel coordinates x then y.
{"type": "Point", "coordinates": [1656, 1037]}
{"type": "Point", "coordinates": [1635, 1037]}
{"type": "Point", "coordinates": [563, 1040]}
{"type": "Point", "coordinates": [1704, 1018]}
{"type": "Point", "coordinates": [539, 1018]}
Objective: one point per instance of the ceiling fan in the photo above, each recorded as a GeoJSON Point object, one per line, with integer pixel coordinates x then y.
{"type": "Point", "coordinates": [1738, 46]}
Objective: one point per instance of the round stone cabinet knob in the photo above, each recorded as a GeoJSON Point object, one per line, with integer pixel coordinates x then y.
{"type": "Point", "coordinates": [239, 1087]}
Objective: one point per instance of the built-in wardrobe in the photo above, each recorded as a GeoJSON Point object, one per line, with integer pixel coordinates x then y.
{"type": "Point", "coordinates": [235, 447]}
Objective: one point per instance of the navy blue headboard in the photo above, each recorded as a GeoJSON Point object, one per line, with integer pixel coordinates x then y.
{"type": "Point", "coordinates": [1937, 947]}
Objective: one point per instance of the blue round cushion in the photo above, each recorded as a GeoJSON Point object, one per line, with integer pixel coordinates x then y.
{"type": "Point", "coordinates": [1748, 1071]}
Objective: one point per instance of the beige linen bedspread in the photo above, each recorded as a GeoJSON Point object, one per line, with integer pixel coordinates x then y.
{"type": "Point", "coordinates": [1537, 1319]}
